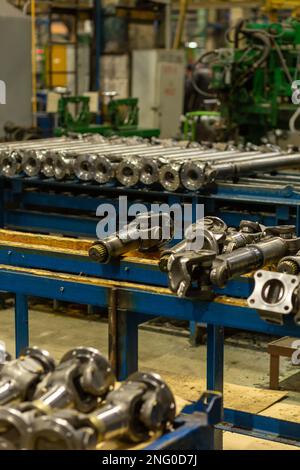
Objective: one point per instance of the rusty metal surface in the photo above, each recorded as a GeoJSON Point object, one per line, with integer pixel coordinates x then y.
{"type": "Point", "coordinates": [64, 245]}
{"type": "Point", "coordinates": [109, 284]}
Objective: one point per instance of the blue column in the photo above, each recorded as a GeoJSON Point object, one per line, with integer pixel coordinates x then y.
{"type": "Point", "coordinates": [126, 343]}
{"type": "Point", "coordinates": [215, 367]}
{"type": "Point", "coordinates": [21, 323]}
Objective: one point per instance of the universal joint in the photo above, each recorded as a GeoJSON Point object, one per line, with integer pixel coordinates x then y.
{"type": "Point", "coordinates": [140, 407]}
{"type": "Point", "coordinates": [146, 232]}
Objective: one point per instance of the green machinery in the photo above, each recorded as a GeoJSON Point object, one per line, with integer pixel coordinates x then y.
{"type": "Point", "coordinates": [74, 116]}
{"type": "Point", "coordinates": [255, 80]}
{"type": "Point", "coordinates": [192, 119]}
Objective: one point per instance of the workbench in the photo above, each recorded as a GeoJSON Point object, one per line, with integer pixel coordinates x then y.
{"type": "Point", "coordinates": [134, 291]}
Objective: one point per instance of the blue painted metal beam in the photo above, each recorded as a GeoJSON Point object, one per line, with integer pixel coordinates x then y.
{"type": "Point", "coordinates": [266, 426]}
{"type": "Point", "coordinates": [268, 205]}
{"type": "Point", "coordinates": [144, 302]}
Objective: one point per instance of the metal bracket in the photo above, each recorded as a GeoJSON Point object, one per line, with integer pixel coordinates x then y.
{"type": "Point", "coordinates": [208, 409]}
{"type": "Point", "coordinates": [272, 296]}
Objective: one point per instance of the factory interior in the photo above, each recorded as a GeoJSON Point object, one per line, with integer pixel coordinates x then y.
{"type": "Point", "coordinates": [149, 227]}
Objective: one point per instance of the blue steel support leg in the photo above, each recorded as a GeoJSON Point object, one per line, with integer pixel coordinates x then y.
{"type": "Point", "coordinates": [21, 323]}
{"type": "Point", "coordinates": [215, 367]}
{"type": "Point", "coordinates": [126, 343]}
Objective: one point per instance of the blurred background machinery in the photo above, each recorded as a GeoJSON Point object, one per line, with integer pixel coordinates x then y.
{"type": "Point", "coordinates": [253, 80]}
{"type": "Point", "coordinates": [176, 58]}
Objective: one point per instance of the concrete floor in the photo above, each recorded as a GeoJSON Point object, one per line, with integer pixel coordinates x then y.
{"type": "Point", "coordinates": [160, 352]}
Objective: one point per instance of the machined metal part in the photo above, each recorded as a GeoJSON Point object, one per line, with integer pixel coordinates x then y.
{"type": "Point", "coordinates": [69, 156]}
{"type": "Point", "coordinates": [189, 273]}
{"type": "Point", "coordinates": [31, 162]}
{"type": "Point", "coordinates": [82, 378]}
{"type": "Point", "coordinates": [274, 295]}
{"type": "Point", "coordinates": [255, 165]}
{"type": "Point", "coordinates": [149, 173]}
{"type": "Point", "coordinates": [249, 232]}
{"type": "Point", "coordinates": [146, 232]}
{"type": "Point", "coordinates": [128, 171]}
{"type": "Point", "coordinates": [254, 256]}
{"type": "Point", "coordinates": [74, 148]}
{"type": "Point", "coordinates": [10, 163]}
{"type": "Point", "coordinates": [105, 169]}
{"type": "Point", "coordinates": [188, 263]}
{"type": "Point", "coordinates": [107, 165]}
{"type": "Point", "coordinates": [130, 165]}
{"type": "Point", "coordinates": [289, 264]}
{"type": "Point", "coordinates": [193, 174]}
{"type": "Point", "coordinates": [141, 407]}
{"type": "Point", "coordinates": [171, 175]}
{"type": "Point", "coordinates": [63, 166]}
{"type": "Point", "coordinates": [207, 233]}
{"type": "Point", "coordinates": [131, 161]}
{"type": "Point", "coordinates": [19, 377]}
{"type": "Point", "coordinates": [84, 166]}
{"type": "Point", "coordinates": [224, 254]}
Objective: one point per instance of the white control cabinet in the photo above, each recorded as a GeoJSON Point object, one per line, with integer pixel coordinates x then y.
{"type": "Point", "coordinates": [158, 82]}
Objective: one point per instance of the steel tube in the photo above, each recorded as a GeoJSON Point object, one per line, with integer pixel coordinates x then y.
{"type": "Point", "coordinates": [192, 174]}
{"type": "Point", "coordinates": [131, 169]}
{"type": "Point", "coordinates": [169, 175]}
{"type": "Point", "coordinates": [251, 166]}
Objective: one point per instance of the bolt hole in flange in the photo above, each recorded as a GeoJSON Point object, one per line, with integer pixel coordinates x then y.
{"type": "Point", "coordinates": [273, 292]}
{"type": "Point", "coordinates": [192, 175]}
{"type": "Point", "coordinates": [169, 177]}
{"type": "Point", "coordinates": [127, 171]}
{"type": "Point", "coordinates": [148, 170]}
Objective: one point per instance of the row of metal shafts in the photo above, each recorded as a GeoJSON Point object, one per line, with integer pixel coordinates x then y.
{"type": "Point", "coordinates": [133, 161]}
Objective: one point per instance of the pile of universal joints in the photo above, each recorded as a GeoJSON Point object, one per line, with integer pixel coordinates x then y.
{"type": "Point", "coordinates": [225, 253]}
{"type": "Point", "coordinates": [76, 404]}
{"type": "Point", "coordinates": [130, 162]}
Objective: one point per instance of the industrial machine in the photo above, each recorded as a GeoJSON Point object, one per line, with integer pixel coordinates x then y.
{"type": "Point", "coordinates": [255, 79]}
{"type": "Point", "coordinates": [122, 117]}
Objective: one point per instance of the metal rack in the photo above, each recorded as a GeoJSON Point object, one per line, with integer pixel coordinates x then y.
{"type": "Point", "coordinates": [72, 204]}
{"type": "Point", "coordinates": [134, 290]}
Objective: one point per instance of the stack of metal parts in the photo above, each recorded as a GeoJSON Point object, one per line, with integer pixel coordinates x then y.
{"type": "Point", "coordinates": [226, 253]}
{"type": "Point", "coordinates": [211, 254]}
{"type": "Point", "coordinates": [76, 404]}
{"type": "Point", "coordinates": [134, 161]}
